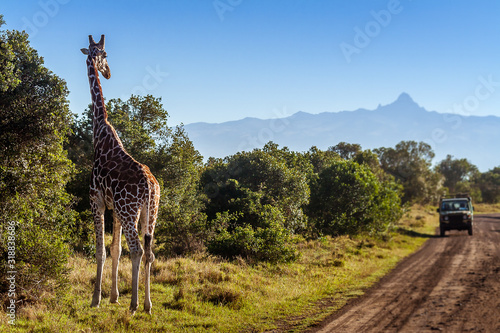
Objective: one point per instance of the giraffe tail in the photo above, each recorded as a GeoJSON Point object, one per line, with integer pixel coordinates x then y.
{"type": "Point", "coordinates": [149, 256]}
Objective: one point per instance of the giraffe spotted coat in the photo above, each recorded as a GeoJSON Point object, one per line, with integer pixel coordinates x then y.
{"type": "Point", "coordinates": [122, 184]}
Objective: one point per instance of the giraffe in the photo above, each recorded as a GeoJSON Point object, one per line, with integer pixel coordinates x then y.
{"type": "Point", "coordinates": [122, 184]}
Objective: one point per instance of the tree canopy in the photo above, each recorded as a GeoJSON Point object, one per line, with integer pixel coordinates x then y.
{"type": "Point", "coordinates": [34, 167]}
{"type": "Point", "coordinates": [458, 174]}
{"type": "Point", "coordinates": [410, 164]}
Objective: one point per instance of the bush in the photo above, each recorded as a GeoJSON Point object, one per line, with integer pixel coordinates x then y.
{"type": "Point", "coordinates": [40, 261]}
{"type": "Point", "coordinates": [255, 203]}
{"type": "Point", "coordinates": [347, 198]}
{"type": "Point", "coordinates": [240, 182]}
{"type": "Point", "coordinates": [270, 241]}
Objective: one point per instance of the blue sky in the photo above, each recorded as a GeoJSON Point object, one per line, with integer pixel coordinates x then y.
{"type": "Point", "coordinates": [221, 60]}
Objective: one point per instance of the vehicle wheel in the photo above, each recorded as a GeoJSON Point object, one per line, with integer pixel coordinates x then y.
{"type": "Point", "coordinates": [441, 231]}
{"type": "Point", "coordinates": [470, 231]}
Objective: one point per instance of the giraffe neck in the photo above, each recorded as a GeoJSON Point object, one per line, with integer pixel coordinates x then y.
{"type": "Point", "coordinates": [100, 114]}
{"type": "Point", "coordinates": [101, 127]}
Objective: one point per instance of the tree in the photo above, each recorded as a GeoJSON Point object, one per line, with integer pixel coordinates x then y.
{"type": "Point", "coordinates": [321, 159]}
{"type": "Point", "coordinates": [34, 168]}
{"type": "Point", "coordinates": [410, 164]}
{"type": "Point", "coordinates": [260, 172]}
{"type": "Point", "coordinates": [347, 198]}
{"type": "Point", "coordinates": [457, 173]}
{"type": "Point", "coordinates": [183, 225]}
{"type": "Point", "coordinates": [141, 124]}
{"type": "Point", "coordinates": [255, 201]}
{"type": "Point", "coordinates": [80, 151]}
{"type": "Point", "coordinates": [346, 150]}
{"type": "Point", "coordinates": [489, 184]}
{"type": "Point", "coordinates": [293, 160]}
{"type": "Point", "coordinates": [354, 152]}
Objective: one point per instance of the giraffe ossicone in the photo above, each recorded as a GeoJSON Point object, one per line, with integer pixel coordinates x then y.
{"type": "Point", "coordinates": [121, 184]}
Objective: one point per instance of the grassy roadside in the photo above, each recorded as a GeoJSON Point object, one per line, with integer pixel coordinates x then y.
{"type": "Point", "coordinates": [486, 208]}
{"type": "Point", "coordinates": [203, 293]}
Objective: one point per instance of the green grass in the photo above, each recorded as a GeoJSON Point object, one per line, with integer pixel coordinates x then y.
{"type": "Point", "coordinates": [206, 294]}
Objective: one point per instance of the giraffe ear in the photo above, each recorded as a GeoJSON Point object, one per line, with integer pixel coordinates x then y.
{"type": "Point", "coordinates": [85, 51]}
{"type": "Point", "coordinates": [101, 42]}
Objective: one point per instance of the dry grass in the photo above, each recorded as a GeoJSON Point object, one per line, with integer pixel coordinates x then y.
{"type": "Point", "coordinates": [419, 216]}
{"type": "Point", "coordinates": [486, 208]}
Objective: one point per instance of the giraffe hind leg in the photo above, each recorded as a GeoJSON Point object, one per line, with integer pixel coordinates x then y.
{"type": "Point", "coordinates": [146, 235]}
{"type": "Point", "coordinates": [98, 212]}
{"type": "Point", "coordinates": [136, 252]}
{"type": "Point", "coordinates": [149, 258]}
{"type": "Point", "coordinates": [116, 250]}
{"type": "Point", "coordinates": [148, 220]}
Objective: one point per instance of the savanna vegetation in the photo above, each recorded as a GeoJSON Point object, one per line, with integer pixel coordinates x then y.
{"type": "Point", "coordinates": [253, 241]}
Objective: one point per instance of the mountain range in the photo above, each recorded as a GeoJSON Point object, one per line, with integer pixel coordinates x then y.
{"type": "Point", "coordinates": [472, 137]}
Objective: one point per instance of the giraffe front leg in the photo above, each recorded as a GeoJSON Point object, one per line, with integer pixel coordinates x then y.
{"type": "Point", "coordinates": [98, 212]}
{"type": "Point", "coordinates": [116, 250]}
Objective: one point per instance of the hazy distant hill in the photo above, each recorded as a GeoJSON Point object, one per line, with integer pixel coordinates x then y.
{"type": "Point", "coordinates": [474, 138]}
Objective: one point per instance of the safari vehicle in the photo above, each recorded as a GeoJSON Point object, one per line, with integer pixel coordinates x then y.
{"type": "Point", "coordinates": [455, 213]}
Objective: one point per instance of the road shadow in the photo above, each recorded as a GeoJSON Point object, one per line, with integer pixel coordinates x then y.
{"type": "Point", "coordinates": [489, 218]}
{"type": "Point", "coordinates": [413, 233]}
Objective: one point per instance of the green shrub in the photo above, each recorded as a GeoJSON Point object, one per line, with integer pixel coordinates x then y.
{"type": "Point", "coordinates": [347, 198]}
{"type": "Point", "coordinates": [245, 181]}
{"type": "Point", "coordinates": [254, 204]}
{"type": "Point", "coordinates": [269, 241]}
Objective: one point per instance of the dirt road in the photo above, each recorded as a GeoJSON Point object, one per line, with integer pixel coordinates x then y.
{"type": "Point", "coordinates": [452, 285]}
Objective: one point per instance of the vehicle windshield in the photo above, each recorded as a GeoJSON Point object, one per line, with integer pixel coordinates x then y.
{"type": "Point", "coordinates": [454, 205]}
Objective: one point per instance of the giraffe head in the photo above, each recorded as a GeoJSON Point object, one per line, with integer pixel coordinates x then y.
{"type": "Point", "coordinates": [97, 53]}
